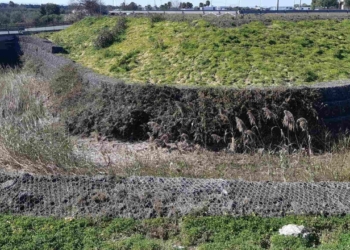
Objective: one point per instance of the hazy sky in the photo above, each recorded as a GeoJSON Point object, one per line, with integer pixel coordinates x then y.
{"type": "Point", "coordinates": [265, 3]}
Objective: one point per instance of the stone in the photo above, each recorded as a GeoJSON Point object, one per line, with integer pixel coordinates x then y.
{"type": "Point", "coordinates": [8, 184]}
{"type": "Point", "coordinates": [294, 230]}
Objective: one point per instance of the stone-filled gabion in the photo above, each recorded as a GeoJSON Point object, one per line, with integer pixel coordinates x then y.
{"type": "Point", "coordinates": [147, 197]}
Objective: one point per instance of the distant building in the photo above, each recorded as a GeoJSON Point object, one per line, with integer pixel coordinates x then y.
{"type": "Point", "coordinates": [282, 8]}
{"type": "Point", "coordinates": [209, 8]}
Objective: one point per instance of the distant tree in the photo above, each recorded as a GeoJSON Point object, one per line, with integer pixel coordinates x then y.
{"type": "Point", "coordinates": [12, 4]}
{"type": "Point", "coordinates": [347, 3]}
{"type": "Point", "coordinates": [16, 17]}
{"type": "Point", "coordinates": [313, 4]}
{"type": "Point", "coordinates": [51, 9]}
{"type": "Point", "coordinates": [305, 5]}
{"type": "Point", "coordinates": [189, 5]}
{"type": "Point", "coordinates": [4, 19]}
{"type": "Point", "coordinates": [169, 5]}
{"type": "Point", "coordinates": [90, 7]}
{"type": "Point", "coordinates": [201, 5]}
{"type": "Point", "coordinates": [326, 3]}
{"type": "Point", "coordinates": [130, 6]}
{"type": "Point", "coordinates": [148, 7]}
{"type": "Point", "coordinates": [207, 3]}
{"type": "Point", "coordinates": [43, 10]}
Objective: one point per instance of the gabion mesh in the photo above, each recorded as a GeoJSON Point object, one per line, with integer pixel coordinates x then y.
{"type": "Point", "coordinates": [147, 197]}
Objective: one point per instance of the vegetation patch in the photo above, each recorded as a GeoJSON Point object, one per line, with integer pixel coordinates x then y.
{"type": "Point", "coordinates": [243, 120]}
{"type": "Point", "coordinates": [106, 37]}
{"type": "Point", "coordinates": [30, 135]}
{"type": "Point", "coordinates": [22, 232]}
{"type": "Point", "coordinates": [196, 52]}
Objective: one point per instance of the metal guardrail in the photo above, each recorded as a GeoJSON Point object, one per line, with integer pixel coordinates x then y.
{"type": "Point", "coordinates": [29, 26]}
{"type": "Point", "coordinates": [292, 11]}
{"type": "Point", "coordinates": [17, 30]}
{"type": "Point", "coordinates": [122, 12]}
{"type": "Point", "coordinates": [218, 12]}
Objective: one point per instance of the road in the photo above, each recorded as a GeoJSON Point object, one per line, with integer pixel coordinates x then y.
{"type": "Point", "coordinates": [35, 30]}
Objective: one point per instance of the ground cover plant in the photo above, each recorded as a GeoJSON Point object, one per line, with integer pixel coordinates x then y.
{"type": "Point", "coordinates": [200, 53]}
{"type": "Point", "coordinates": [191, 232]}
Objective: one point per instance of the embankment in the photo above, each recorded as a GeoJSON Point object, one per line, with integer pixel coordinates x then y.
{"type": "Point", "coordinates": [202, 115]}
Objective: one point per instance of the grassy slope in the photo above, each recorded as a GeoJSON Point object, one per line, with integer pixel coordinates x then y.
{"type": "Point", "coordinates": [197, 53]}
{"type": "Point", "coordinates": [21, 232]}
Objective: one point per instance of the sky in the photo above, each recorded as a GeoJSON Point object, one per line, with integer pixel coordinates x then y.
{"type": "Point", "coordinates": [264, 3]}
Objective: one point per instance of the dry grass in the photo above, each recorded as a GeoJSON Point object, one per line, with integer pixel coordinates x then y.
{"type": "Point", "coordinates": [126, 159]}
{"type": "Point", "coordinates": [32, 140]}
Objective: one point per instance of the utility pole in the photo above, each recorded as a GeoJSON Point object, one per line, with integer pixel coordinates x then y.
{"type": "Point", "coordinates": [278, 4]}
{"type": "Point", "coordinates": [300, 5]}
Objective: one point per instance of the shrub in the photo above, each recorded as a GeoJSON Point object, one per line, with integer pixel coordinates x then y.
{"type": "Point", "coordinates": [281, 242]}
{"type": "Point", "coordinates": [66, 80]}
{"type": "Point", "coordinates": [107, 37]}
{"type": "Point", "coordinates": [156, 19]}
{"type": "Point", "coordinates": [104, 39]}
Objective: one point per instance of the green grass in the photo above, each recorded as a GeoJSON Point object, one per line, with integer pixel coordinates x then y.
{"type": "Point", "coordinates": [22, 232]}
{"type": "Point", "coordinates": [197, 53]}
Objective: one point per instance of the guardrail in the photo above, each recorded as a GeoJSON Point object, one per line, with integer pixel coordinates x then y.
{"type": "Point", "coordinates": [123, 12]}
{"type": "Point", "coordinates": [291, 11]}
{"type": "Point", "coordinates": [17, 30]}
{"type": "Point", "coordinates": [218, 12]}
{"type": "Point", "coordinates": [23, 27]}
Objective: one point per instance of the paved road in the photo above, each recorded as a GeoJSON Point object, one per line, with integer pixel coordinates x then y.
{"type": "Point", "coordinates": [35, 30]}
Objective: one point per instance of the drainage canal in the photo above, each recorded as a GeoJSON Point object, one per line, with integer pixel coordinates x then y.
{"type": "Point", "coordinates": [9, 51]}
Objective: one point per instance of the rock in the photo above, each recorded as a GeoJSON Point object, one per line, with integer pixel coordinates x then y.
{"type": "Point", "coordinates": [294, 230]}
{"type": "Point", "coordinates": [26, 177]}
{"type": "Point", "coordinates": [100, 177]}
{"type": "Point", "coordinates": [8, 184]}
